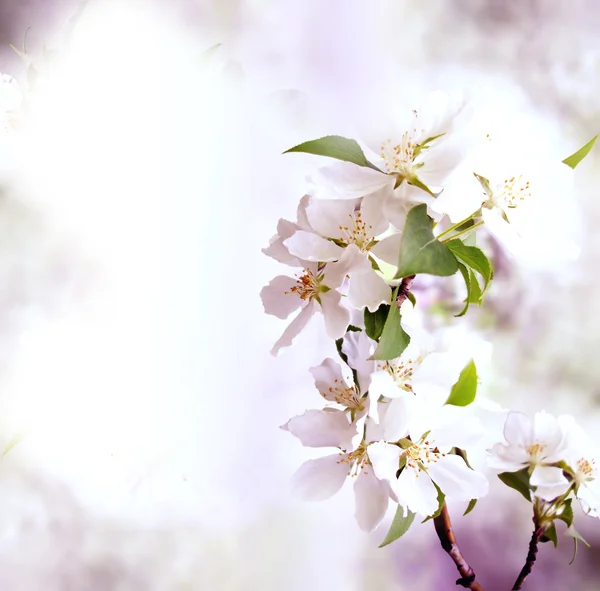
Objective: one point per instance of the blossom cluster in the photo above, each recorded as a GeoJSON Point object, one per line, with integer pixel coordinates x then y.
{"type": "Point", "coordinates": [402, 418]}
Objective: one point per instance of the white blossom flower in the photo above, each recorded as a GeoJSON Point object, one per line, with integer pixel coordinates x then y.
{"type": "Point", "coordinates": [358, 348]}
{"type": "Point", "coordinates": [581, 458]}
{"type": "Point", "coordinates": [420, 145]}
{"type": "Point", "coordinates": [334, 225]}
{"type": "Point", "coordinates": [415, 453]}
{"type": "Point", "coordinates": [321, 478]}
{"type": "Point", "coordinates": [535, 445]}
{"type": "Point", "coordinates": [313, 289]}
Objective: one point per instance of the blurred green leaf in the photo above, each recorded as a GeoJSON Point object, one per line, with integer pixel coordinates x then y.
{"type": "Point", "coordinates": [574, 159]}
{"type": "Point", "coordinates": [470, 507]}
{"type": "Point", "coordinates": [550, 535]}
{"type": "Point", "coordinates": [400, 525]}
{"type": "Point", "coordinates": [465, 389]}
{"type": "Point", "coordinates": [518, 480]}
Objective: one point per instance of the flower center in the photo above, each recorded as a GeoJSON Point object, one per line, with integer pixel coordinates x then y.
{"type": "Point", "coordinates": [401, 371]}
{"type": "Point", "coordinates": [344, 395]}
{"type": "Point", "coordinates": [512, 192]}
{"type": "Point", "coordinates": [422, 454]}
{"type": "Point", "coordinates": [535, 451]}
{"type": "Point", "coordinates": [357, 232]}
{"type": "Point", "coordinates": [307, 286]}
{"type": "Point", "coordinates": [357, 460]}
{"type": "Point", "coordinates": [586, 467]}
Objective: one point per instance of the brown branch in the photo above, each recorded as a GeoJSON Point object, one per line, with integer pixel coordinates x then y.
{"type": "Point", "coordinates": [404, 289]}
{"type": "Point", "coordinates": [538, 532]}
{"type": "Point", "coordinates": [443, 528]}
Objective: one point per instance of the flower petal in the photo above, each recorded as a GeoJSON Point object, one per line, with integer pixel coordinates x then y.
{"type": "Point", "coordinates": [295, 327]}
{"type": "Point", "coordinates": [358, 347]}
{"type": "Point", "coordinates": [550, 482]}
{"type": "Point", "coordinates": [388, 249]}
{"type": "Point", "coordinates": [322, 428]}
{"type": "Point", "coordinates": [336, 316]}
{"type": "Point", "coordinates": [456, 480]}
{"type": "Point", "coordinates": [311, 247]}
{"type": "Point", "coordinates": [328, 216]}
{"type": "Point", "coordinates": [415, 490]}
{"type": "Point", "coordinates": [518, 429]}
{"type": "Point", "coordinates": [371, 498]}
{"type": "Point", "coordinates": [385, 459]}
{"type": "Point", "coordinates": [348, 181]}
{"type": "Point", "coordinates": [327, 376]}
{"type": "Point", "coordinates": [548, 431]}
{"type": "Point", "coordinates": [277, 250]}
{"type": "Point", "coordinates": [335, 273]}
{"type": "Point", "coordinates": [277, 298]}
{"type": "Point", "coordinates": [397, 417]}
{"type": "Point", "coordinates": [367, 289]}
{"type": "Point", "coordinates": [320, 479]}
{"type": "Point", "coordinates": [507, 458]}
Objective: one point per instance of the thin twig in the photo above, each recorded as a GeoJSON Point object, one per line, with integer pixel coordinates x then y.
{"type": "Point", "coordinates": [404, 289]}
{"type": "Point", "coordinates": [538, 532]}
{"type": "Point", "coordinates": [443, 528]}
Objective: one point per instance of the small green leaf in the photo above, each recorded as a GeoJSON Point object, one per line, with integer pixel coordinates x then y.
{"type": "Point", "coordinates": [550, 535]}
{"type": "Point", "coordinates": [375, 321]}
{"type": "Point", "coordinates": [472, 257]}
{"type": "Point", "coordinates": [577, 537]}
{"type": "Point", "coordinates": [518, 480]}
{"type": "Point", "coordinates": [471, 506]}
{"type": "Point", "coordinates": [424, 144]}
{"type": "Point", "coordinates": [393, 338]}
{"type": "Point", "coordinates": [399, 527]}
{"type": "Point", "coordinates": [465, 389]}
{"type": "Point", "coordinates": [420, 251]}
{"type": "Point", "coordinates": [410, 296]}
{"type": "Point", "coordinates": [338, 147]}
{"type": "Point", "coordinates": [465, 273]}
{"type": "Point", "coordinates": [574, 159]}
{"type": "Point", "coordinates": [476, 294]}
{"type": "Point", "coordinates": [567, 512]}
{"type": "Point", "coordinates": [417, 183]}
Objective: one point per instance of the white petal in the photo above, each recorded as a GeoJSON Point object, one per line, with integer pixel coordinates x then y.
{"type": "Point", "coordinates": [320, 479]}
{"type": "Point", "coordinates": [358, 347]}
{"type": "Point", "coordinates": [326, 375]}
{"type": "Point", "coordinates": [322, 428]}
{"type": "Point", "coordinates": [336, 316]}
{"type": "Point", "coordinates": [335, 273]}
{"type": "Point", "coordinates": [456, 426]}
{"type": "Point", "coordinates": [397, 417]}
{"type": "Point", "coordinates": [310, 247]}
{"type": "Point", "coordinates": [367, 289]}
{"type": "Point", "coordinates": [388, 249]}
{"type": "Point", "coordinates": [456, 480]}
{"type": "Point", "coordinates": [383, 384]}
{"type": "Point", "coordinates": [348, 181]}
{"type": "Point", "coordinates": [276, 297]}
{"type": "Point", "coordinates": [547, 430]}
{"type": "Point", "coordinates": [385, 459]}
{"type": "Point", "coordinates": [327, 215]}
{"type": "Point", "coordinates": [415, 490]}
{"type": "Point", "coordinates": [506, 234]}
{"type": "Point", "coordinates": [518, 430]}
{"type": "Point", "coordinates": [438, 369]}
{"type": "Point", "coordinates": [295, 327]}
{"type": "Point", "coordinates": [589, 497]}
{"type": "Point", "coordinates": [371, 209]}
{"type": "Point", "coordinates": [550, 482]}
{"type": "Point", "coordinates": [302, 218]}
{"type": "Point", "coordinates": [507, 458]}
{"type": "Point", "coordinates": [276, 248]}
{"type": "Point", "coordinates": [371, 497]}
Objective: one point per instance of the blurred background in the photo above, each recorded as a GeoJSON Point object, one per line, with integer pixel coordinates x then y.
{"type": "Point", "coordinates": [139, 179]}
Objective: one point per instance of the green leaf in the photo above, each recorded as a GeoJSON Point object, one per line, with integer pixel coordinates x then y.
{"type": "Point", "coordinates": [465, 389]}
{"type": "Point", "coordinates": [338, 147]}
{"type": "Point", "coordinates": [414, 180]}
{"type": "Point", "coordinates": [518, 480]}
{"type": "Point", "coordinates": [393, 338]}
{"type": "Point", "coordinates": [424, 144]}
{"type": "Point", "coordinates": [476, 294]}
{"type": "Point", "coordinates": [577, 537]}
{"type": "Point", "coordinates": [472, 257]}
{"type": "Point", "coordinates": [465, 273]}
{"type": "Point", "coordinates": [420, 251]}
{"type": "Point", "coordinates": [375, 321]}
{"type": "Point", "coordinates": [550, 535]}
{"type": "Point", "coordinates": [399, 527]}
{"type": "Point", "coordinates": [574, 159]}
{"type": "Point", "coordinates": [410, 296]}
{"type": "Point", "coordinates": [567, 512]}
{"type": "Point", "coordinates": [471, 506]}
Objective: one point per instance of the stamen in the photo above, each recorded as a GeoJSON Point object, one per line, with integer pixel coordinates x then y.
{"type": "Point", "coordinates": [358, 232]}
{"type": "Point", "coordinates": [307, 286]}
